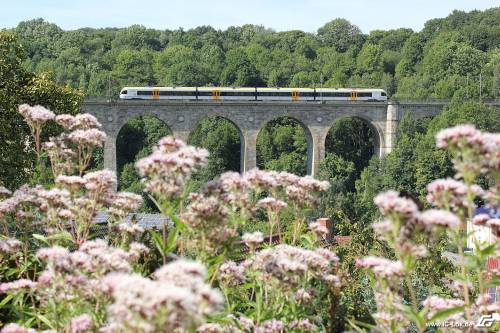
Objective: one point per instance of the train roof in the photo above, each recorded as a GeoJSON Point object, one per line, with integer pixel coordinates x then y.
{"type": "Point", "coordinates": [253, 88]}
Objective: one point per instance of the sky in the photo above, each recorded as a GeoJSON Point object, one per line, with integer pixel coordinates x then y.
{"type": "Point", "coordinates": [280, 15]}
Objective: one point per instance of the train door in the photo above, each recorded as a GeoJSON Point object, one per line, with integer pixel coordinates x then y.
{"type": "Point", "coordinates": [156, 94]}
{"type": "Point", "coordinates": [354, 95]}
{"type": "Point", "coordinates": [216, 94]}
{"type": "Point", "coordinates": [295, 95]}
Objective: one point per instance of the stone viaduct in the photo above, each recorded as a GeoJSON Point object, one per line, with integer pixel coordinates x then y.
{"type": "Point", "coordinates": [250, 117]}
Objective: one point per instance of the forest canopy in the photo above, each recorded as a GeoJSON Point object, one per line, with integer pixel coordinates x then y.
{"type": "Point", "coordinates": [447, 59]}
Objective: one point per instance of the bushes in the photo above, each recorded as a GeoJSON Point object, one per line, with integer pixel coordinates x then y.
{"type": "Point", "coordinates": [58, 278]}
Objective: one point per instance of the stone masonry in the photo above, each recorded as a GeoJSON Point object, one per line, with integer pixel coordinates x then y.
{"type": "Point", "coordinates": [251, 117]}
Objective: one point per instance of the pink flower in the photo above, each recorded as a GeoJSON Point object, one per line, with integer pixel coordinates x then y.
{"type": "Point", "coordinates": [170, 144]}
{"type": "Point", "coordinates": [100, 181]}
{"type": "Point", "coordinates": [181, 269]}
{"type": "Point", "coordinates": [15, 328]}
{"type": "Point", "coordinates": [437, 217]}
{"type": "Point", "coordinates": [85, 121]}
{"type": "Point", "coordinates": [491, 151]}
{"type": "Point", "coordinates": [302, 324]}
{"type": "Point", "coordinates": [36, 114]}
{"type": "Point", "coordinates": [9, 245]}
{"type": "Point", "coordinates": [261, 179]}
{"type": "Point", "coordinates": [56, 256]}
{"type": "Point", "coordinates": [137, 249]}
{"type": "Point", "coordinates": [231, 273]}
{"type": "Point", "coordinates": [17, 285]}
{"type": "Point", "coordinates": [127, 200]}
{"type": "Point", "coordinates": [391, 204]}
{"type": "Point", "coordinates": [272, 204]}
{"type": "Point", "coordinates": [4, 192]}
{"type": "Point", "coordinates": [252, 240]}
{"type": "Point", "coordinates": [381, 267]}
{"type": "Point", "coordinates": [65, 120]}
{"type": "Point", "coordinates": [270, 326]}
{"type": "Point", "coordinates": [480, 219]}
{"type": "Point", "coordinates": [131, 228]}
{"type": "Point", "coordinates": [444, 192]}
{"type": "Point", "coordinates": [303, 296]}
{"type": "Point", "coordinates": [92, 137]}
{"type": "Point", "coordinates": [436, 304]}
{"type": "Point", "coordinates": [72, 182]}
{"type": "Point", "coordinates": [460, 136]}
{"type": "Point", "coordinates": [211, 328]}
{"type": "Point", "coordinates": [80, 324]}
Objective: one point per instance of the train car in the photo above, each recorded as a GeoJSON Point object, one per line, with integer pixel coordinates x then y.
{"type": "Point", "coordinates": [350, 94]}
{"type": "Point", "coordinates": [253, 94]}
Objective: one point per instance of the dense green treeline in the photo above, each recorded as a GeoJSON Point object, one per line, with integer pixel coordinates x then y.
{"type": "Point", "coordinates": [444, 60]}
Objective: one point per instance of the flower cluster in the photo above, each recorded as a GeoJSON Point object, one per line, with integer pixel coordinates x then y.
{"type": "Point", "coordinates": [451, 193]}
{"type": "Point", "coordinates": [253, 240]}
{"type": "Point", "coordinates": [247, 325]}
{"type": "Point", "coordinates": [177, 299]}
{"type": "Point", "coordinates": [9, 245]}
{"type": "Point", "coordinates": [15, 328]}
{"type": "Point", "coordinates": [473, 151]}
{"type": "Point", "coordinates": [123, 203]}
{"type": "Point", "coordinates": [168, 168]}
{"type": "Point", "coordinates": [35, 115]}
{"type": "Point", "coordinates": [381, 267]}
{"type": "Point", "coordinates": [290, 264]}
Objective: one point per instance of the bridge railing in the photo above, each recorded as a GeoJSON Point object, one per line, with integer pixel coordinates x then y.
{"type": "Point", "coordinates": [104, 99]}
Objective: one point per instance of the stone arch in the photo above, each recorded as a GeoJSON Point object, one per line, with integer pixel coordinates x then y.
{"type": "Point", "coordinates": [197, 122]}
{"type": "Point", "coordinates": [307, 132]}
{"type": "Point", "coordinates": [379, 138]}
{"type": "Point", "coordinates": [137, 139]}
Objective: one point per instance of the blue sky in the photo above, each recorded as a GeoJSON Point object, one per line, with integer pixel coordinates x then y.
{"type": "Point", "coordinates": [278, 14]}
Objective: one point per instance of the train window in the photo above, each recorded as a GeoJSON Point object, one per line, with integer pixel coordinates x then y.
{"type": "Point", "coordinates": [334, 94]}
{"type": "Point", "coordinates": [364, 94]}
{"type": "Point", "coordinates": [144, 93]}
{"type": "Point", "coordinates": [178, 93]}
{"type": "Point", "coordinates": [124, 92]}
{"type": "Point", "coordinates": [275, 93]}
{"type": "Point", "coordinates": [384, 94]}
{"type": "Point", "coordinates": [237, 93]}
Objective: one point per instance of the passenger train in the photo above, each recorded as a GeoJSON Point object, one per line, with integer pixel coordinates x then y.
{"type": "Point", "coordinates": [253, 94]}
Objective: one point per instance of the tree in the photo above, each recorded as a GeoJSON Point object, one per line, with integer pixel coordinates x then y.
{"type": "Point", "coordinates": [19, 86]}
{"type": "Point", "coordinates": [353, 140]}
{"type": "Point", "coordinates": [222, 139]}
{"type": "Point", "coordinates": [134, 68]}
{"type": "Point", "coordinates": [282, 145]}
{"type": "Point", "coordinates": [239, 71]}
{"type": "Point", "coordinates": [180, 66]}
{"type": "Point", "coordinates": [341, 34]}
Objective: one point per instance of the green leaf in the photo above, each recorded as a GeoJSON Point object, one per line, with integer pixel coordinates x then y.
{"type": "Point", "coordinates": [172, 240]}
{"type": "Point", "coordinates": [445, 313]}
{"type": "Point", "coordinates": [356, 325]}
{"type": "Point", "coordinates": [415, 316]}
{"type": "Point", "coordinates": [61, 236]}
{"type": "Point", "coordinates": [158, 240]}
{"type": "Point", "coordinates": [41, 238]}
{"type": "Point", "coordinates": [6, 300]}
{"type": "Point", "coordinates": [45, 320]}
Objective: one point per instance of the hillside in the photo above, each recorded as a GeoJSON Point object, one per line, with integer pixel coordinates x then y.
{"type": "Point", "coordinates": [442, 61]}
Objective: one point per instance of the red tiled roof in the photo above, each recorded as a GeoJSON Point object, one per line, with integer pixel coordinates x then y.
{"type": "Point", "coordinates": [493, 263]}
